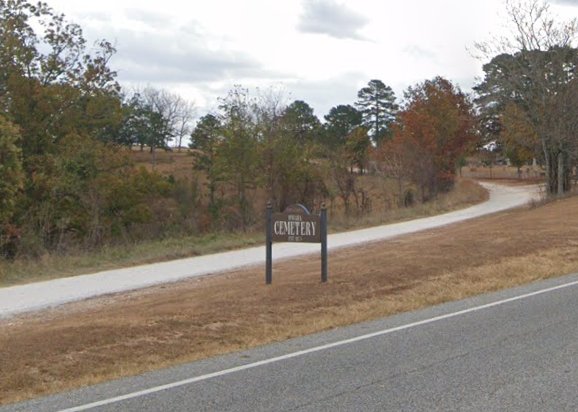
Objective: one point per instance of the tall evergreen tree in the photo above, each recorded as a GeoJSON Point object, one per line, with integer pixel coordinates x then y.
{"type": "Point", "coordinates": [376, 102]}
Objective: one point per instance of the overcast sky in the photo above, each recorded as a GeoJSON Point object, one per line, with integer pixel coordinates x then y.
{"type": "Point", "coordinates": [319, 51]}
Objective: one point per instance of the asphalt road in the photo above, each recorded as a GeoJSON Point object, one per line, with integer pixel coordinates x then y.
{"type": "Point", "coordinates": [40, 295]}
{"type": "Point", "coordinates": [515, 350]}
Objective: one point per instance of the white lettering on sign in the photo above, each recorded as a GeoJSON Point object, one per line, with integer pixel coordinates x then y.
{"type": "Point", "coordinates": [295, 227]}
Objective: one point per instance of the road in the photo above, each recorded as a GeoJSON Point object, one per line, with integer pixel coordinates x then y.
{"type": "Point", "coordinates": [514, 350]}
{"type": "Point", "coordinates": [36, 296]}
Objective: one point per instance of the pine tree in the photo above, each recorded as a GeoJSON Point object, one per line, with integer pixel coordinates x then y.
{"type": "Point", "coordinates": [378, 108]}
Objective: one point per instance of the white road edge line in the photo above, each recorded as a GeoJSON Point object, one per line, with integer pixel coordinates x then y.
{"type": "Point", "coordinates": [312, 350]}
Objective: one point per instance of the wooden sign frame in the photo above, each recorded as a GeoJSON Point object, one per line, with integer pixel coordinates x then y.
{"type": "Point", "coordinates": [295, 224]}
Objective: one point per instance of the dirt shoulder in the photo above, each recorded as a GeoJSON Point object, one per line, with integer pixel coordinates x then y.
{"type": "Point", "coordinates": [125, 334]}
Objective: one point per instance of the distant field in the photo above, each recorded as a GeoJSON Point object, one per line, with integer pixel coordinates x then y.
{"type": "Point", "coordinates": [179, 164]}
{"type": "Point", "coordinates": [526, 173]}
{"type": "Point", "coordinates": [176, 163]}
{"type": "Point", "coordinates": [383, 193]}
{"type": "Point", "coordinates": [104, 338]}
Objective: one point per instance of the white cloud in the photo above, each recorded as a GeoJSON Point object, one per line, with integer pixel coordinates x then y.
{"type": "Point", "coordinates": [331, 18]}
{"type": "Point", "coordinates": [200, 48]}
{"type": "Point", "coordinates": [164, 58]}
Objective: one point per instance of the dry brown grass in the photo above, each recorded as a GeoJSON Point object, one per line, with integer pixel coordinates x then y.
{"type": "Point", "coordinates": [384, 197]}
{"type": "Point", "coordinates": [178, 164]}
{"type": "Point", "coordinates": [116, 336]}
{"type": "Point", "coordinates": [526, 173]}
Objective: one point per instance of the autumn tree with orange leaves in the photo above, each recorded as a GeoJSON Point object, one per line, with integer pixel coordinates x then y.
{"type": "Point", "coordinates": [434, 131]}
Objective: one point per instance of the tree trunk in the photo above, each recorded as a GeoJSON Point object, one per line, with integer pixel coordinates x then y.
{"type": "Point", "coordinates": [551, 174]}
{"type": "Point", "coordinates": [548, 166]}
{"type": "Point", "coordinates": [560, 174]}
{"type": "Point", "coordinates": [400, 191]}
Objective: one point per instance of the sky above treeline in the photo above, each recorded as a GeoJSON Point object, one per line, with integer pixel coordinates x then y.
{"type": "Point", "coordinates": [319, 51]}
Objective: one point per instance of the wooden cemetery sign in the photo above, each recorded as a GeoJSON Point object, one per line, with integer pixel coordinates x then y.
{"type": "Point", "coordinates": [296, 224]}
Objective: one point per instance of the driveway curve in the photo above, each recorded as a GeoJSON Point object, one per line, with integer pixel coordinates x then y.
{"type": "Point", "coordinates": [36, 296]}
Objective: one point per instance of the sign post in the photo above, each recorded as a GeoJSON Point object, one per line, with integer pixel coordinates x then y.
{"type": "Point", "coordinates": [323, 219]}
{"type": "Point", "coordinates": [269, 245]}
{"type": "Point", "coordinates": [295, 224]}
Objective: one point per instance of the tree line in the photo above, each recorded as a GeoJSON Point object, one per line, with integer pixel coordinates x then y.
{"type": "Point", "coordinates": [286, 150]}
{"type": "Point", "coordinates": [67, 178]}
{"type": "Point", "coordinates": [528, 97]}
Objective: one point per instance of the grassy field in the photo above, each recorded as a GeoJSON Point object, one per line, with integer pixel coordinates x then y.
{"type": "Point", "coordinates": [121, 335]}
{"type": "Point", "coordinates": [529, 174]}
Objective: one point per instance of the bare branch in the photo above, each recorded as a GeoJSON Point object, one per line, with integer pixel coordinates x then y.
{"type": "Point", "coordinates": [533, 27]}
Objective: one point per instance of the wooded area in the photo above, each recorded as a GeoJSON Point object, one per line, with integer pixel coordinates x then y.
{"type": "Point", "coordinates": [68, 132]}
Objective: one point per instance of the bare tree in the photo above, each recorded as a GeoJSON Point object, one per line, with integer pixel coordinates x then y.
{"type": "Point", "coordinates": [269, 108]}
{"type": "Point", "coordinates": [536, 28]}
{"type": "Point", "coordinates": [391, 163]}
{"type": "Point", "coordinates": [532, 27]}
{"type": "Point", "coordinates": [536, 70]}
{"type": "Point", "coordinates": [184, 122]}
{"type": "Point", "coordinates": [177, 113]}
{"type": "Point", "coordinates": [344, 179]}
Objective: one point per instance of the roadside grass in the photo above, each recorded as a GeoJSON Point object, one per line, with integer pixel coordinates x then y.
{"type": "Point", "coordinates": [50, 266]}
{"type": "Point", "coordinates": [110, 337]}
{"type": "Point", "coordinates": [466, 193]}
